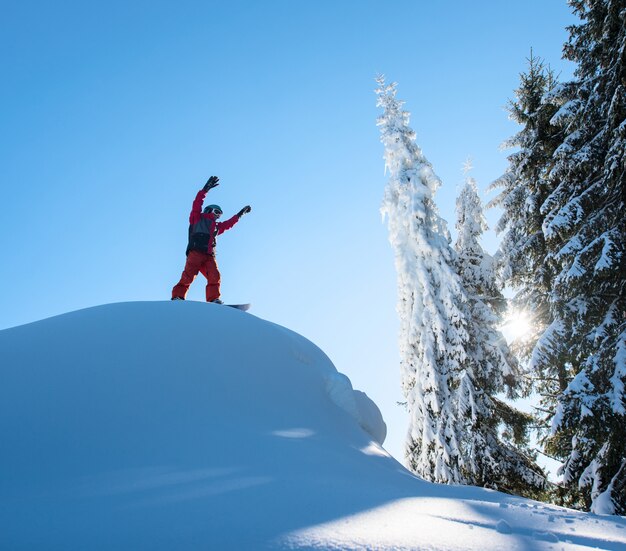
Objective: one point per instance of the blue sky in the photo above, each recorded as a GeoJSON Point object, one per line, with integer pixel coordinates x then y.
{"type": "Point", "coordinates": [114, 114]}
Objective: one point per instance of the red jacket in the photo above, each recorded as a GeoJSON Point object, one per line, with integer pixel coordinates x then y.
{"type": "Point", "coordinates": [204, 228]}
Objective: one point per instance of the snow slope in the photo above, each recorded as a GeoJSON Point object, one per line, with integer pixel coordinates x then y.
{"type": "Point", "coordinates": [182, 425]}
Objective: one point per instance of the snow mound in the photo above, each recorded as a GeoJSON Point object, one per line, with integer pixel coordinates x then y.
{"type": "Point", "coordinates": [357, 404]}
{"type": "Point", "coordinates": [182, 425]}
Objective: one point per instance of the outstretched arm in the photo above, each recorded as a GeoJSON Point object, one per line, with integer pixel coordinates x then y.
{"type": "Point", "coordinates": [226, 225]}
{"type": "Point", "coordinates": [244, 210]}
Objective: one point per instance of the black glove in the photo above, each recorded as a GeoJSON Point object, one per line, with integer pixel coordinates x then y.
{"type": "Point", "coordinates": [211, 183]}
{"type": "Point", "coordinates": [244, 210]}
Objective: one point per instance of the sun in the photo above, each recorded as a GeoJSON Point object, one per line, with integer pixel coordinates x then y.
{"type": "Point", "coordinates": [517, 326]}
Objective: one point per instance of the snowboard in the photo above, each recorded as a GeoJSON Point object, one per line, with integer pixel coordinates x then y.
{"type": "Point", "coordinates": [242, 307]}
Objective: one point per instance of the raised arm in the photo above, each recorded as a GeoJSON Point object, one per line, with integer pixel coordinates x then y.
{"type": "Point", "coordinates": [196, 207]}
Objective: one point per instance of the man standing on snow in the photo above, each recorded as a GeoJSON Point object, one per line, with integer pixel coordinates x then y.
{"type": "Point", "coordinates": [203, 231]}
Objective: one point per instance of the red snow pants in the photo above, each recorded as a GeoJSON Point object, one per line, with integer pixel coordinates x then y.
{"type": "Point", "coordinates": [207, 266]}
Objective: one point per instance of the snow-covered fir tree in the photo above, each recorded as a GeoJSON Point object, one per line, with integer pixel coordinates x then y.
{"type": "Point", "coordinates": [431, 300]}
{"type": "Point", "coordinates": [523, 260]}
{"type": "Point", "coordinates": [497, 458]}
{"type": "Point", "coordinates": [584, 226]}
{"type": "Point", "coordinates": [523, 188]}
{"type": "Point", "coordinates": [438, 376]}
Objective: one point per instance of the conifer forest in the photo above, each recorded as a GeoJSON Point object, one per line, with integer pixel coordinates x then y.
{"type": "Point", "coordinates": [561, 205]}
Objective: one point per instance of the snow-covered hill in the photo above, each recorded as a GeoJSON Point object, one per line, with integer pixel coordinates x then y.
{"type": "Point", "coordinates": [182, 425]}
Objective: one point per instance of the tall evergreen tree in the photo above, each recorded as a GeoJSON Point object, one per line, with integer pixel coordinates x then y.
{"type": "Point", "coordinates": [584, 226]}
{"type": "Point", "coordinates": [431, 300]}
{"type": "Point", "coordinates": [450, 439]}
{"type": "Point", "coordinates": [524, 188]}
{"type": "Point", "coordinates": [498, 458]}
{"type": "Point", "coordinates": [523, 258]}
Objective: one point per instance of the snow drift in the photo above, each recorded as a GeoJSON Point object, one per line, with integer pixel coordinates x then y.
{"type": "Point", "coordinates": [182, 425]}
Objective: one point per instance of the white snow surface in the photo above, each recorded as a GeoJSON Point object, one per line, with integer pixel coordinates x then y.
{"type": "Point", "coordinates": [184, 426]}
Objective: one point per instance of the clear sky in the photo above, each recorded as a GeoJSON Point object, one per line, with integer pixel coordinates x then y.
{"type": "Point", "coordinates": [114, 114]}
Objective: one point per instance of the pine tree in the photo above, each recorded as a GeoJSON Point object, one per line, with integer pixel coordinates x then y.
{"type": "Point", "coordinates": [497, 460]}
{"type": "Point", "coordinates": [584, 226]}
{"type": "Point", "coordinates": [524, 188]}
{"type": "Point", "coordinates": [438, 374]}
{"type": "Point", "coordinates": [524, 262]}
{"type": "Point", "coordinates": [431, 300]}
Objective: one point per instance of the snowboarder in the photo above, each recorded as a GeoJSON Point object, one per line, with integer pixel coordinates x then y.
{"type": "Point", "coordinates": [203, 231]}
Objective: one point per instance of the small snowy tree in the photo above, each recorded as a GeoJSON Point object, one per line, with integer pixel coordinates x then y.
{"type": "Point", "coordinates": [498, 460]}
{"type": "Point", "coordinates": [584, 225]}
{"type": "Point", "coordinates": [438, 376]}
